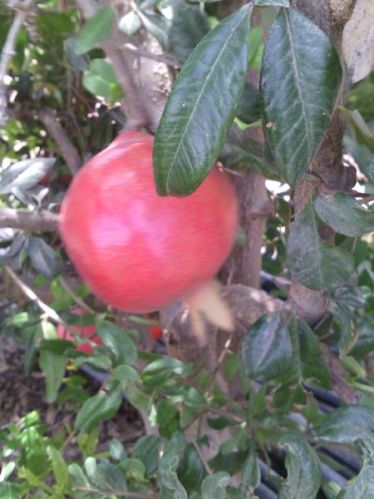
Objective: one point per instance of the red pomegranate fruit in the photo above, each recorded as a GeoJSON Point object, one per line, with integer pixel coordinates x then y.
{"type": "Point", "coordinates": [139, 251]}
{"type": "Point", "coordinates": [71, 333]}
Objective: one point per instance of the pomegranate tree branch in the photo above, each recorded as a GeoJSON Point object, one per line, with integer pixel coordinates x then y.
{"type": "Point", "coordinates": [133, 105]}
{"type": "Point", "coordinates": [6, 56]}
{"type": "Point", "coordinates": [67, 150]}
{"type": "Point", "coordinates": [28, 220]}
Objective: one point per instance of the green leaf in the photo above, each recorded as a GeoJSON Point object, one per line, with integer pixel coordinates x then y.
{"type": "Point", "coordinates": [167, 418]}
{"type": "Point", "coordinates": [100, 79]}
{"type": "Point", "coordinates": [59, 467]}
{"type": "Point", "coordinates": [147, 450]}
{"type": "Point", "coordinates": [170, 484]}
{"type": "Point", "coordinates": [117, 341]}
{"type": "Point", "coordinates": [313, 367]}
{"type": "Point", "coordinates": [126, 375]}
{"type": "Point", "coordinates": [347, 425]}
{"type": "Point", "coordinates": [299, 87]}
{"type": "Point", "coordinates": [53, 366]}
{"type": "Point", "coordinates": [359, 128]}
{"type": "Point", "coordinates": [160, 370]}
{"type": "Point", "coordinates": [189, 26]}
{"type": "Point", "coordinates": [215, 485]}
{"type": "Point", "coordinates": [303, 469]}
{"type": "Point", "coordinates": [186, 144]}
{"type": "Point", "coordinates": [191, 469]}
{"type": "Point", "coordinates": [362, 486]}
{"type": "Point", "coordinates": [95, 30]}
{"type": "Point", "coordinates": [24, 174]}
{"type": "Point", "coordinates": [266, 349]}
{"type": "Point", "coordinates": [314, 263]}
{"type": "Point", "coordinates": [44, 259]}
{"type": "Point", "coordinates": [10, 490]}
{"type": "Point", "coordinates": [106, 477]}
{"type": "Point", "coordinates": [344, 214]}
{"type": "Point", "coordinates": [100, 407]}
{"type": "Point", "coordinates": [251, 475]}
{"type": "Point", "coordinates": [133, 469]}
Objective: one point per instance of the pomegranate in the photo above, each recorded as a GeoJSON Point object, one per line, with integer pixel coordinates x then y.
{"type": "Point", "coordinates": [71, 332]}
{"type": "Point", "coordinates": [139, 251]}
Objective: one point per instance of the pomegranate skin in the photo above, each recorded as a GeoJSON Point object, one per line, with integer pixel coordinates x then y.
{"type": "Point", "coordinates": [139, 251]}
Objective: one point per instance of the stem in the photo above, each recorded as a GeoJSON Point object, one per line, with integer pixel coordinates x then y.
{"type": "Point", "coordinates": [133, 104]}
{"type": "Point", "coordinates": [6, 56]}
{"type": "Point", "coordinates": [28, 220]}
{"type": "Point", "coordinates": [168, 60]}
{"type": "Point", "coordinates": [32, 296]}
{"type": "Point", "coordinates": [67, 150]}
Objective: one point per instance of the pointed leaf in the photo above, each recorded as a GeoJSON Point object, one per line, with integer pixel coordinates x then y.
{"type": "Point", "coordinates": [344, 214]}
{"type": "Point", "coordinates": [53, 366]}
{"type": "Point", "coordinates": [24, 174]}
{"type": "Point", "coordinates": [100, 407]}
{"type": "Point", "coordinates": [299, 88]}
{"type": "Point", "coordinates": [95, 30]}
{"type": "Point", "coordinates": [117, 341]}
{"type": "Point", "coordinates": [266, 349]}
{"type": "Point", "coordinates": [59, 467]}
{"type": "Point", "coordinates": [205, 93]}
{"type": "Point", "coordinates": [303, 469]}
{"type": "Point", "coordinates": [44, 259]}
{"type": "Point", "coordinates": [251, 474]}
{"type": "Point", "coordinates": [314, 263]}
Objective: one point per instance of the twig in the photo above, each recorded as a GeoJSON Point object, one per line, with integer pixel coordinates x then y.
{"type": "Point", "coordinates": [169, 61]}
{"type": "Point", "coordinates": [67, 149]}
{"type": "Point", "coordinates": [6, 56]}
{"type": "Point", "coordinates": [75, 297]}
{"type": "Point", "coordinates": [208, 469]}
{"type": "Point", "coordinates": [133, 105]}
{"type": "Point", "coordinates": [32, 296]}
{"type": "Point", "coordinates": [28, 220]}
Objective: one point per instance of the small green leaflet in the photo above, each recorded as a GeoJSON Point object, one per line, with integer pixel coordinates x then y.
{"type": "Point", "coordinates": [205, 93]}
{"type": "Point", "coordinates": [95, 31]}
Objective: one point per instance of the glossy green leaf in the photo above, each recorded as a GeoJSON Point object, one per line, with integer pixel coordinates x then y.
{"type": "Point", "coordinates": [95, 30]}
{"type": "Point", "coordinates": [313, 366]}
{"type": "Point", "coordinates": [170, 485]}
{"type": "Point", "coordinates": [266, 348]}
{"type": "Point", "coordinates": [313, 262]}
{"type": "Point", "coordinates": [100, 407]}
{"type": "Point", "coordinates": [53, 366]}
{"type": "Point", "coordinates": [347, 425]}
{"type": "Point", "coordinates": [118, 342]}
{"type": "Point", "coordinates": [303, 469]}
{"type": "Point", "coordinates": [160, 370]}
{"type": "Point", "coordinates": [215, 485]}
{"type": "Point", "coordinates": [359, 128]}
{"type": "Point", "coordinates": [186, 144]}
{"type": "Point", "coordinates": [107, 478]}
{"type": "Point", "coordinates": [344, 214]}
{"type": "Point", "coordinates": [299, 87]}
{"type": "Point", "coordinates": [191, 469]}
{"type": "Point", "coordinates": [188, 27]}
